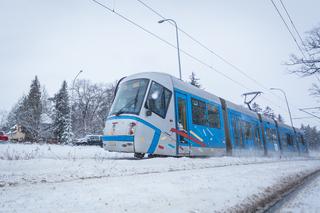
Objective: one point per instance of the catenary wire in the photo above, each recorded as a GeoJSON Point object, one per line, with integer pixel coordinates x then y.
{"type": "Point", "coordinates": [294, 26]}
{"type": "Point", "coordinates": [170, 44]}
{"type": "Point", "coordinates": [183, 51]}
{"type": "Point", "coordinates": [212, 52]}
{"type": "Point", "coordinates": [222, 58]}
{"type": "Point", "coordinates": [287, 27]}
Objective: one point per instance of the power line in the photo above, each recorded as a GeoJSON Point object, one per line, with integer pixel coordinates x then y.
{"type": "Point", "coordinates": [173, 46]}
{"type": "Point", "coordinates": [211, 51]}
{"type": "Point", "coordinates": [310, 108]}
{"type": "Point", "coordinates": [309, 113]}
{"type": "Point", "coordinates": [168, 43]}
{"type": "Point", "coordinates": [293, 25]}
{"type": "Point", "coordinates": [307, 117]}
{"type": "Point", "coordinates": [285, 23]}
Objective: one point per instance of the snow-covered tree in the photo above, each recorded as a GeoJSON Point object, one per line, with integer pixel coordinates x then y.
{"type": "Point", "coordinates": [3, 119]}
{"type": "Point", "coordinates": [268, 112]}
{"type": "Point", "coordinates": [311, 136]}
{"type": "Point", "coordinates": [62, 118]}
{"type": "Point", "coordinates": [47, 116]}
{"type": "Point", "coordinates": [13, 116]}
{"type": "Point", "coordinates": [256, 107]}
{"type": "Point", "coordinates": [28, 112]}
{"type": "Point", "coordinates": [279, 118]}
{"type": "Point", "coordinates": [194, 80]}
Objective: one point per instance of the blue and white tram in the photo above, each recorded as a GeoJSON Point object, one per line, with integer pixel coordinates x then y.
{"type": "Point", "coordinates": [158, 114]}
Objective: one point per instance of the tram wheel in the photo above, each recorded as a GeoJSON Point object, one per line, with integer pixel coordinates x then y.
{"type": "Point", "coordinates": [139, 155]}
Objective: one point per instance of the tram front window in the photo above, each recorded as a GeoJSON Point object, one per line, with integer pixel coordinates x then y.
{"type": "Point", "coordinates": [129, 97]}
{"type": "Point", "coordinates": [158, 99]}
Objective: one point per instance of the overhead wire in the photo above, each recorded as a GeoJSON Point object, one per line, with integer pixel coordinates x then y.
{"type": "Point", "coordinates": [288, 28]}
{"type": "Point", "coordinates": [211, 51]}
{"type": "Point", "coordinates": [169, 43]}
{"type": "Point", "coordinates": [295, 40]}
{"type": "Point", "coordinates": [293, 25]}
{"type": "Point", "coordinates": [183, 51]}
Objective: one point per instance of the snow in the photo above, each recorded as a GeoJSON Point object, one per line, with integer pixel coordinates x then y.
{"type": "Point", "coordinates": [47, 178]}
{"type": "Point", "coordinates": [306, 200]}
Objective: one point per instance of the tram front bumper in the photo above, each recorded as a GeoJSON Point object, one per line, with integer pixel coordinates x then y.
{"type": "Point", "coordinates": [118, 143]}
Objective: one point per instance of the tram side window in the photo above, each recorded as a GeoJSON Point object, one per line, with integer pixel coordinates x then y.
{"type": "Point", "coordinates": [213, 116]}
{"type": "Point", "coordinates": [271, 135]}
{"type": "Point", "coordinates": [198, 112]}
{"type": "Point", "coordinates": [158, 99]}
{"type": "Point", "coordinates": [248, 130]}
{"type": "Point", "coordinates": [289, 139]}
{"type": "Point", "coordinates": [235, 130]}
{"type": "Point", "coordinates": [257, 137]}
{"type": "Point", "coordinates": [284, 140]}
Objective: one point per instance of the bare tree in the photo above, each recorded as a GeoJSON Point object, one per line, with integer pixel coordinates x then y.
{"type": "Point", "coordinates": [268, 112]}
{"type": "Point", "coordinates": [90, 107]}
{"type": "Point", "coordinates": [256, 107]}
{"type": "Point", "coordinates": [309, 65]}
{"type": "Point", "coordinates": [315, 90]}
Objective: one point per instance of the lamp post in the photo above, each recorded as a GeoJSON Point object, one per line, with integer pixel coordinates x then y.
{"type": "Point", "coordinates": [285, 96]}
{"type": "Point", "coordinates": [72, 91]}
{"type": "Point", "coordinates": [175, 24]}
{"type": "Point", "coordinates": [81, 71]}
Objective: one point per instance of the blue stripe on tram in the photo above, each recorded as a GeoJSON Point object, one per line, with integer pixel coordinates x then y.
{"type": "Point", "coordinates": [157, 131]}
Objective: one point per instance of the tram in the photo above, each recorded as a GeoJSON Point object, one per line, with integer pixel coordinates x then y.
{"type": "Point", "coordinates": [159, 115]}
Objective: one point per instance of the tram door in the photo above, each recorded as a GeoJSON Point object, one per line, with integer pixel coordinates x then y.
{"type": "Point", "coordinates": [238, 133]}
{"type": "Point", "coordinates": [183, 145]}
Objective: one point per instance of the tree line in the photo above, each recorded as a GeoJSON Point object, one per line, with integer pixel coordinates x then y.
{"type": "Point", "coordinates": [82, 109]}
{"type": "Point", "coordinates": [71, 113]}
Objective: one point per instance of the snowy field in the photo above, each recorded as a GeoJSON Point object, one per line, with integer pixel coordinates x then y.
{"type": "Point", "coordinates": [53, 178]}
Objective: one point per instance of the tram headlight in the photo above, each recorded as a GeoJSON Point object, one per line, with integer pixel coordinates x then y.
{"type": "Point", "coordinates": [132, 127]}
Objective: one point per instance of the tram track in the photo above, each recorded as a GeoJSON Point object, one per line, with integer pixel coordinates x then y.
{"type": "Point", "coordinates": [290, 193]}
{"type": "Point", "coordinates": [129, 174]}
{"type": "Point", "coordinates": [276, 196]}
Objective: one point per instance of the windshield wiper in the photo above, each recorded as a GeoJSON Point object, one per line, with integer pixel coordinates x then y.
{"type": "Point", "coordinates": [132, 101]}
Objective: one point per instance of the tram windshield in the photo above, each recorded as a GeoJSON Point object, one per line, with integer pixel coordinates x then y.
{"type": "Point", "coordinates": [129, 97]}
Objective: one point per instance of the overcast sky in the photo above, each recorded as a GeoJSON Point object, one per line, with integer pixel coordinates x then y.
{"type": "Point", "coordinates": [56, 39]}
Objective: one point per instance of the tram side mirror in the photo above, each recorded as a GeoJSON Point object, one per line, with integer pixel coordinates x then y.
{"type": "Point", "coordinates": [148, 112]}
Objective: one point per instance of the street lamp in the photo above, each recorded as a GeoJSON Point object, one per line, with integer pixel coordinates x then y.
{"type": "Point", "coordinates": [175, 23]}
{"type": "Point", "coordinates": [72, 91]}
{"type": "Point", "coordinates": [81, 71]}
{"type": "Point", "coordinates": [285, 96]}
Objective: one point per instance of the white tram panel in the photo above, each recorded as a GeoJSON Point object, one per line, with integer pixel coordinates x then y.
{"type": "Point", "coordinates": [144, 134]}
{"type": "Point", "coordinates": [144, 131]}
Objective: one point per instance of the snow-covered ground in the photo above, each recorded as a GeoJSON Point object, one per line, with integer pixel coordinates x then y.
{"type": "Point", "coordinates": [306, 200]}
{"type": "Point", "coordinates": [47, 178]}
